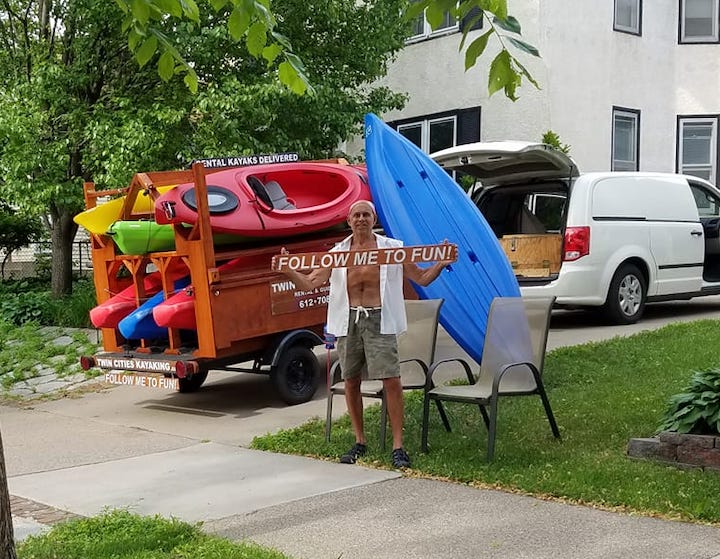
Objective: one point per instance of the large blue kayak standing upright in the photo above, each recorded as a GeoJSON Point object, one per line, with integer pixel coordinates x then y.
{"type": "Point", "coordinates": [420, 204]}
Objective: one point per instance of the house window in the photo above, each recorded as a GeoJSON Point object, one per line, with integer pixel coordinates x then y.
{"type": "Point", "coordinates": [697, 147]}
{"type": "Point", "coordinates": [627, 16]}
{"type": "Point", "coordinates": [420, 27]}
{"type": "Point", "coordinates": [438, 131]}
{"type": "Point", "coordinates": [699, 21]}
{"type": "Point", "coordinates": [625, 139]}
{"type": "Point", "coordinates": [431, 135]}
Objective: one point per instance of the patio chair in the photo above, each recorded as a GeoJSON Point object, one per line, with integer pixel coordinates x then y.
{"type": "Point", "coordinates": [512, 364]}
{"type": "Point", "coordinates": [416, 350]}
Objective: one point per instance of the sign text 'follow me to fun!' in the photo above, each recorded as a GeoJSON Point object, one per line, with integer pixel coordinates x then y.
{"type": "Point", "coordinates": [445, 252]}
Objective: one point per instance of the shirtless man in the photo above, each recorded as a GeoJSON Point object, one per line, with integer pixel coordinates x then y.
{"type": "Point", "coordinates": [366, 312]}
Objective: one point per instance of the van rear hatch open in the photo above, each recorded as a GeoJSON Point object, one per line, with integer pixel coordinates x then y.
{"type": "Point", "coordinates": [524, 198]}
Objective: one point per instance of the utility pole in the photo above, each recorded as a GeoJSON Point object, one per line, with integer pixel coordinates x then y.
{"type": "Point", "coordinates": [7, 538]}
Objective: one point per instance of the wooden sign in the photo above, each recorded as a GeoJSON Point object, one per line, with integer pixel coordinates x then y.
{"type": "Point", "coordinates": [444, 252]}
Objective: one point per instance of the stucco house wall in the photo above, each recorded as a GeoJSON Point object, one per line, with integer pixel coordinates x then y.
{"type": "Point", "coordinates": [586, 68]}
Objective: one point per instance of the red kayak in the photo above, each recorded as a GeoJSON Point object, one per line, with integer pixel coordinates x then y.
{"type": "Point", "coordinates": [111, 312]}
{"type": "Point", "coordinates": [178, 311]}
{"type": "Point", "coordinates": [271, 200]}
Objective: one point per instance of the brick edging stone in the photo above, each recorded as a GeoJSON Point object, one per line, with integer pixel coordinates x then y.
{"type": "Point", "coordinates": [678, 449]}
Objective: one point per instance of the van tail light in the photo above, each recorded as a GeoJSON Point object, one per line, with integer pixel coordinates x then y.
{"type": "Point", "coordinates": [576, 243]}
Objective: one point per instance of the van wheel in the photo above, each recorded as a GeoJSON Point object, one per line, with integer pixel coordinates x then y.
{"type": "Point", "coordinates": [625, 302]}
{"type": "Point", "coordinates": [297, 375]}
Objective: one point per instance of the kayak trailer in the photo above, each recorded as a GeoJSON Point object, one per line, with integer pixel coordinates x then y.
{"type": "Point", "coordinates": [248, 318]}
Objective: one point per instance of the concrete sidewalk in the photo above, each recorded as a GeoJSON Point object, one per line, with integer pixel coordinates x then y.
{"type": "Point", "coordinates": [306, 508]}
{"type": "Point", "coordinates": [314, 509]}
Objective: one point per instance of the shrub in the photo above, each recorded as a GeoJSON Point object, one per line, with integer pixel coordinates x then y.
{"type": "Point", "coordinates": [552, 139]}
{"type": "Point", "coordinates": [30, 300]}
{"type": "Point", "coordinates": [697, 409]}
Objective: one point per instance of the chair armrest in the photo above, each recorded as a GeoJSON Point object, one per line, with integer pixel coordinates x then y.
{"type": "Point", "coordinates": [508, 366]}
{"type": "Point", "coordinates": [418, 362]}
{"type": "Point", "coordinates": [335, 373]}
{"type": "Point", "coordinates": [436, 365]}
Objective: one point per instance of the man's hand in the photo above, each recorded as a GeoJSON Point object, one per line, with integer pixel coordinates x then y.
{"type": "Point", "coordinates": [446, 262]}
{"type": "Point", "coordinates": [275, 265]}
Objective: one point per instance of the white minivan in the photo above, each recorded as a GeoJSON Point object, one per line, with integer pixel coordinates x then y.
{"type": "Point", "coordinates": [609, 240]}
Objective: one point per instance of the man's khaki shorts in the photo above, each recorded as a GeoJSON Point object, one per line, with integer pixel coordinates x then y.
{"type": "Point", "coordinates": [366, 349]}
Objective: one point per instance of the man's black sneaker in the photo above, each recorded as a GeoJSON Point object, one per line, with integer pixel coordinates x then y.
{"type": "Point", "coordinates": [400, 458]}
{"type": "Point", "coordinates": [352, 455]}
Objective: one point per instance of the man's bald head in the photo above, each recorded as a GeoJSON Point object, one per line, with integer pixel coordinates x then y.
{"type": "Point", "coordinates": [366, 203]}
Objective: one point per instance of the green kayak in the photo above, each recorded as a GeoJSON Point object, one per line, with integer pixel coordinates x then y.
{"type": "Point", "coordinates": [141, 237]}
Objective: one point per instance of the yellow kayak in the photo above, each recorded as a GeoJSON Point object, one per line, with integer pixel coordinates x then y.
{"type": "Point", "coordinates": [99, 219]}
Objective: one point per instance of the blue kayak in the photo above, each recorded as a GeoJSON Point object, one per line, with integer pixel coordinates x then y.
{"type": "Point", "coordinates": [140, 323]}
{"type": "Point", "coordinates": [420, 204]}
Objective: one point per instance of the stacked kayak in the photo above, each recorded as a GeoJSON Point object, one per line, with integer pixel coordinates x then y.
{"type": "Point", "coordinates": [178, 311]}
{"type": "Point", "coordinates": [271, 200]}
{"type": "Point", "coordinates": [145, 236]}
{"type": "Point", "coordinates": [109, 313]}
{"type": "Point", "coordinates": [140, 323]}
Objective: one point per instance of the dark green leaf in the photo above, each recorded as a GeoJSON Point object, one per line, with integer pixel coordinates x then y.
{"type": "Point", "coordinates": [140, 10]}
{"type": "Point", "coordinates": [146, 51]}
{"type": "Point", "coordinates": [238, 23]}
{"type": "Point", "coordinates": [528, 48]}
{"type": "Point", "coordinates": [256, 38]}
{"type": "Point", "coordinates": [191, 81]}
{"type": "Point", "coordinates": [166, 66]}
{"type": "Point", "coordinates": [476, 48]}
{"type": "Point", "coordinates": [190, 9]}
{"type": "Point", "coordinates": [508, 24]}
{"type": "Point", "coordinates": [502, 75]}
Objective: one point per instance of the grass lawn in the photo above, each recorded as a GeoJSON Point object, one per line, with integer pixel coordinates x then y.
{"type": "Point", "coordinates": [602, 394]}
{"type": "Point", "coordinates": [122, 535]}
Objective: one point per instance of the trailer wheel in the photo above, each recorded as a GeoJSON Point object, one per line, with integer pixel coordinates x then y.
{"type": "Point", "coordinates": [296, 376]}
{"type": "Point", "coordinates": [193, 383]}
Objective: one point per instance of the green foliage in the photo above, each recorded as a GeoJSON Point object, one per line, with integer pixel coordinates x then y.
{"type": "Point", "coordinates": [26, 351]}
{"type": "Point", "coordinates": [602, 394]}
{"type": "Point", "coordinates": [696, 409]}
{"type": "Point", "coordinates": [26, 301]}
{"type": "Point", "coordinates": [75, 105]}
{"type": "Point", "coordinates": [123, 535]}
{"type": "Point", "coordinates": [17, 230]}
{"type": "Point", "coordinates": [506, 71]}
{"type": "Point", "coordinates": [259, 26]}
{"type": "Point", "coordinates": [552, 139]}
{"type": "Point", "coordinates": [27, 307]}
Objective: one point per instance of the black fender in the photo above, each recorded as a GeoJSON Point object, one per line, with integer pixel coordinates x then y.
{"type": "Point", "coordinates": [303, 337]}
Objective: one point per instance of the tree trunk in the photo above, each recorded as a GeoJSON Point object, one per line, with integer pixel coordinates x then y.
{"type": "Point", "coordinates": [63, 233]}
{"type": "Point", "coordinates": [7, 538]}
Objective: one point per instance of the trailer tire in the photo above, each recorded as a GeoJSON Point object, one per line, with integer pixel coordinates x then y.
{"type": "Point", "coordinates": [296, 376]}
{"type": "Point", "coordinates": [193, 383]}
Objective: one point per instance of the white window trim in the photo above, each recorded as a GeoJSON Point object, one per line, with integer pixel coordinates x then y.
{"type": "Point", "coordinates": [428, 32]}
{"type": "Point", "coordinates": [634, 30]}
{"type": "Point", "coordinates": [713, 38]}
{"type": "Point", "coordinates": [635, 116]}
{"type": "Point", "coordinates": [425, 125]}
{"type": "Point", "coordinates": [683, 169]}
